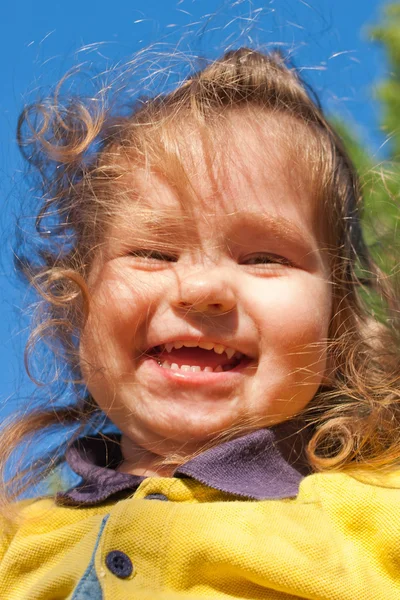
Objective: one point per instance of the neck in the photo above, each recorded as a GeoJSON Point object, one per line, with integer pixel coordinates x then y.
{"type": "Point", "coordinates": [142, 462]}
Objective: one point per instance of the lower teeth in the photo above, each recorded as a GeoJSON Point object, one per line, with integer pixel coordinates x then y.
{"type": "Point", "coordinates": [194, 369]}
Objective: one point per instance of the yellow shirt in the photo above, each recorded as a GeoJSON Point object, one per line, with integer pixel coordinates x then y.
{"type": "Point", "coordinates": [339, 539]}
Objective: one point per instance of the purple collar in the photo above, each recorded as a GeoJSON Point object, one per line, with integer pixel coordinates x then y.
{"type": "Point", "coordinates": [263, 465]}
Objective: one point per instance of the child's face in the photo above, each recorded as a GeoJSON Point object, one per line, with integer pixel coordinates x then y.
{"type": "Point", "coordinates": [243, 270]}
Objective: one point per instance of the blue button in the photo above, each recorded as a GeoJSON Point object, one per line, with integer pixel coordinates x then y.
{"type": "Point", "coordinates": [156, 497]}
{"type": "Point", "coordinates": [119, 564]}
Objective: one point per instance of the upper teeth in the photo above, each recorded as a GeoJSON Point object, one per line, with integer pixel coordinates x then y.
{"type": "Point", "coordinates": [218, 348]}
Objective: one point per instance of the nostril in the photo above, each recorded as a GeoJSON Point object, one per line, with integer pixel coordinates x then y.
{"type": "Point", "coordinates": [202, 306]}
{"type": "Point", "coordinates": [205, 307]}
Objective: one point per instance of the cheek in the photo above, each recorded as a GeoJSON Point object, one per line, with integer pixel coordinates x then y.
{"type": "Point", "coordinates": [295, 314]}
{"type": "Point", "coordinates": [122, 298]}
{"type": "Point", "coordinates": [119, 308]}
{"type": "Point", "coordinates": [294, 325]}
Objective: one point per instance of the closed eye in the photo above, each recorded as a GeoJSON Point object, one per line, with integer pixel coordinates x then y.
{"type": "Point", "coordinates": [148, 254]}
{"type": "Point", "coordinates": [266, 259]}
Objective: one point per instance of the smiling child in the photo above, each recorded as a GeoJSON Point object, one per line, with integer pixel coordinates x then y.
{"type": "Point", "coordinates": [211, 301]}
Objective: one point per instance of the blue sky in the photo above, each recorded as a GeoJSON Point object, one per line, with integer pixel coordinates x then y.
{"type": "Point", "coordinates": [40, 40]}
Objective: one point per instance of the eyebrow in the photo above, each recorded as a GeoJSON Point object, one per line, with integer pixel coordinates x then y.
{"type": "Point", "coordinates": [154, 227]}
{"type": "Point", "coordinates": [276, 225]}
{"type": "Point", "coordinates": [170, 225]}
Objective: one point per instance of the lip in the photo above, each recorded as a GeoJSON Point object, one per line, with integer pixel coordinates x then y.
{"type": "Point", "coordinates": [195, 377]}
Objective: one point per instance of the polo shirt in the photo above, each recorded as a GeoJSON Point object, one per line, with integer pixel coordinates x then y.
{"type": "Point", "coordinates": [262, 465]}
{"type": "Point", "coordinates": [242, 520]}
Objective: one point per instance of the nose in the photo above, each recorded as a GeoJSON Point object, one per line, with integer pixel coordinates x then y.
{"type": "Point", "coordinates": [206, 292]}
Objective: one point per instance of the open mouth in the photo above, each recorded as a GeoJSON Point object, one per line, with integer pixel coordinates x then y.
{"type": "Point", "coordinates": [197, 356]}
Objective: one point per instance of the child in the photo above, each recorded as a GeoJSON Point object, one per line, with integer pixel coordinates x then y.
{"type": "Point", "coordinates": [213, 272]}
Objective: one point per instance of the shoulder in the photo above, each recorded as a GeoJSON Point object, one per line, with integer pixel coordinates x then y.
{"type": "Point", "coordinates": [354, 482]}
{"type": "Point", "coordinates": [42, 516]}
{"type": "Point", "coordinates": [354, 501]}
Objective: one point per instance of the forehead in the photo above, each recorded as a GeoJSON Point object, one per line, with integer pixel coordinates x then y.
{"type": "Point", "coordinates": [244, 168]}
